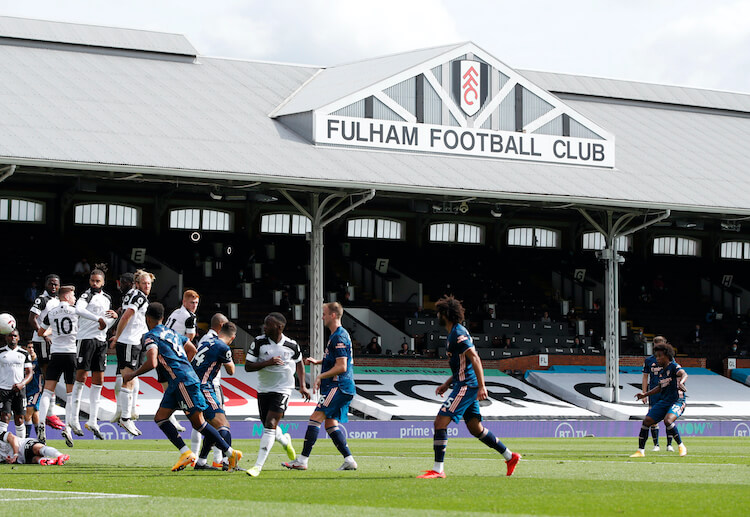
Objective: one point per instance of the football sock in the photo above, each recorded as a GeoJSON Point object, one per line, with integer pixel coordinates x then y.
{"type": "Point", "coordinates": [21, 431]}
{"type": "Point", "coordinates": [28, 429]}
{"type": "Point", "coordinates": [669, 440]}
{"type": "Point", "coordinates": [170, 432]}
{"type": "Point", "coordinates": [118, 385]}
{"type": "Point", "coordinates": [226, 434]}
{"type": "Point", "coordinates": [642, 437]}
{"type": "Point", "coordinates": [77, 396]}
{"type": "Point", "coordinates": [209, 432]}
{"type": "Point", "coordinates": [135, 391]}
{"type": "Point", "coordinates": [45, 404]}
{"type": "Point", "coordinates": [655, 434]}
{"type": "Point", "coordinates": [50, 452]}
{"type": "Point", "coordinates": [311, 435]}
{"type": "Point", "coordinates": [205, 449]}
{"type": "Point", "coordinates": [439, 444]}
{"type": "Point", "coordinates": [68, 408]}
{"type": "Point", "coordinates": [95, 396]}
{"type": "Point", "coordinates": [125, 399]}
{"type": "Point", "coordinates": [489, 439]}
{"type": "Point", "coordinates": [339, 440]}
{"type": "Point", "coordinates": [281, 438]}
{"type": "Point", "coordinates": [51, 408]}
{"type": "Point", "coordinates": [672, 430]}
{"type": "Point", "coordinates": [196, 439]}
{"type": "Point", "coordinates": [266, 442]}
{"type": "Point", "coordinates": [218, 455]}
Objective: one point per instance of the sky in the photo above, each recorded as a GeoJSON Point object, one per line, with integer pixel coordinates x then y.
{"type": "Point", "coordinates": [698, 43]}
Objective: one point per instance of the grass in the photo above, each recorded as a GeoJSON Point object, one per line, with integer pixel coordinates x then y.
{"type": "Point", "coordinates": [589, 476]}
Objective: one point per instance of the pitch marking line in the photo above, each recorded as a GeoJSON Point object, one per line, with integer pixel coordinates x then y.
{"type": "Point", "coordinates": [77, 495]}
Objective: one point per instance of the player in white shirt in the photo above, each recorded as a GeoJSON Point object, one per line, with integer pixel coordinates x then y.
{"type": "Point", "coordinates": [45, 301]}
{"type": "Point", "coordinates": [276, 358]}
{"type": "Point", "coordinates": [92, 348]}
{"type": "Point", "coordinates": [61, 324]}
{"type": "Point", "coordinates": [16, 372]}
{"type": "Point", "coordinates": [217, 321]}
{"type": "Point", "coordinates": [127, 340]}
{"type": "Point", "coordinates": [28, 450]}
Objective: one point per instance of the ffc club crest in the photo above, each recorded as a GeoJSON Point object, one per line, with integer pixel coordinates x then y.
{"type": "Point", "coordinates": [470, 85]}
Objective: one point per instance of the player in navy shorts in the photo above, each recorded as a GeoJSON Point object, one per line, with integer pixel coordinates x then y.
{"type": "Point", "coordinates": [650, 379]}
{"type": "Point", "coordinates": [468, 386]}
{"type": "Point", "coordinates": [163, 346]}
{"type": "Point", "coordinates": [336, 387]}
{"type": "Point", "coordinates": [671, 403]}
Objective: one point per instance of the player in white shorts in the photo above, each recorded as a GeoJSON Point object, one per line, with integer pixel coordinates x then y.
{"type": "Point", "coordinates": [92, 348]}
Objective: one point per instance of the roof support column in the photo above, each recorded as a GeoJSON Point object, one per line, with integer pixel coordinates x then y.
{"type": "Point", "coordinates": [320, 216]}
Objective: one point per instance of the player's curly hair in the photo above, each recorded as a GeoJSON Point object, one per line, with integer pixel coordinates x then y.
{"type": "Point", "coordinates": [100, 269]}
{"type": "Point", "coordinates": [450, 308]}
{"type": "Point", "coordinates": [666, 349]}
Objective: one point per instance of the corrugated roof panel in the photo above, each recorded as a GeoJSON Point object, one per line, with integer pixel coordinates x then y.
{"type": "Point", "coordinates": [95, 36]}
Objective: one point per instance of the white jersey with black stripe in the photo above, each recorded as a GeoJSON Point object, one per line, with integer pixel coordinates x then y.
{"type": "Point", "coordinates": [63, 321]}
{"type": "Point", "coordinates": [43, 303]}
{"type": "Point", "coordinates": [97, 303]}
{"type": "Point", "coordinates": [277, 378]}
{"type": "Point", "coordinates": [136, 327]}
{"type": "Point", "coordinates": [182, 321]}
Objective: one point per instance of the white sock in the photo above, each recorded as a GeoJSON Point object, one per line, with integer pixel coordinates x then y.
{"type": "Point", "coordinates": [200, 462]}
{"type": "Point", "coordinates": [266, 442]}
{"type": "Point", "coordinates": [349, 459]}
{"type": "Point", "coordinates": [303, 459]}
{"type": "Point", "coordinates": [118, 385]}
{"type": "Point", "coordinates": [50, 452]}
{"type": "Point", "coordinates": [175, 423]}
{"type": "Point", "coordinates": [184, 449]}
{"type": "Point", "coordinates": [508, 454]}
{"type": "Point", "coordinates": [21, 431]}
{"type": "Point", "coordinates": [281, 438]}
{"type": "Point", "coordinates": [438, 466]}
{"type": "Point", "coordinates": [196, 438]}
{"type": "Point", "coordinates": [51, 408]}
{"type": "Point", "coordinates": [218, 455]}
{"type": "Point", "coordinates": [134, 400]}
{"type": "Point", "coordinates": [125, 400]}
{"type": "Point", "coordinates": [95, 396]}
{"type": "Point", "coordinates": [77, 396]}
{"type": "Point", "coordinates": [68, 408]}
{"type": "Point", "coordinates": [3, 427]}
{"type": "Point", "coordinates": [44, 404]}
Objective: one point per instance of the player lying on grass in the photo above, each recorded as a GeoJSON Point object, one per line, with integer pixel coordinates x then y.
{"type": "Point", "coordinates": [468, 386]}
{"type": "Point", "coordinates": [670, 405]}
{"type": "Point", "coordinates": [163, 346]}
{"type": "Point", "coordinates": [28, 451]}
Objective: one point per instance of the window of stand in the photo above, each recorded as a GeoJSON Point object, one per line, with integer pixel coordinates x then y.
{"type": "Point", "coordinates": [679, 246]}
{"type": "Point", "coordinates": [290, 224]}
{"type": "Point", "coordinates": [104, 214]}
{"type": "Point", "coordinates": [200, 219]}
{"type": "Point", "coordinates": [596, 241]}
{"type": "Point", "coordinates": [531, 237]}
{"type": "Point", "coordinates": [21, 210]}
{"type": "Point", "coordinates": [372, 228]}
{"type": "Point", "coordinates": [738, 250]}
{"type": "Point", "coordinates": [456, 232]}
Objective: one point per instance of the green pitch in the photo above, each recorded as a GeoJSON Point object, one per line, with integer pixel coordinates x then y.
{"type": "Point", "coordinates": [589, 476]}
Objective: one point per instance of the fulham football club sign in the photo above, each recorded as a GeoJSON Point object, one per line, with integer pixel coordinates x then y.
{"type": "Point", "coordinates": [470, 85]}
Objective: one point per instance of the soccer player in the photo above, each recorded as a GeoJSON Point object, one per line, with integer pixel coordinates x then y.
{"type": "Point", "coordinates": [47, 300]}
{"type": "Point", "coordinates": [671, 403]}
{"type": "Point", "coordinates": [33, 392]}
{"type": "Point", "coordinates": [92, 349]}
{"type": "Point", "coordinates": [468, 386]}
{"type": "Point", "coordinates": [336, 386]}
{"type": "Point", "coordinates": [217, 321]}
{"type": "Point", "coordinates": [28, 451]}
{"type": "Point", "coordinates": [163, 346]}
{"type": "Point", "coordinates": [61, 324]}
{"type": "Point", "coordinates": [211, 354]}
{"type": "Point", "coordinates": [650, 379]}
{"type": "Point", "coordinates": [16, 372]}
{"type": "Point", "coordinates": [276, 358]}
{"type": "Point", "coordinates": [127, 341]}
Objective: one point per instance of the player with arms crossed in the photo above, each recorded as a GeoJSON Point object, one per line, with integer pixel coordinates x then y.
{"type": "Point", "coordinates": [16, 371]}
{"type": "Point", "coordinates": [163, 346]}
{"type": "Point", "coordinates": [650, 379]}
{"type": "Point", "coordinates": [671, 403]}
{"type": "Point", "coordinates": [276, 358]}
{"type": "Point", "coordinates": [47, 300]}
{"type": "Point", "coordinates": [95, 305]}
{"type": "Point", "coordinates": [468, 386]}
{"type": "Point", "coordinates": [211, 354]}
{"type": "Point", "coordinates": [336, 386]}
{"type": "Point", "coordinates": [127, 341]}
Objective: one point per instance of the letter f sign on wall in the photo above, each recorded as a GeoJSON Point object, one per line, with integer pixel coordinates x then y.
{"type": "Point", "coordinates": [471, 86]}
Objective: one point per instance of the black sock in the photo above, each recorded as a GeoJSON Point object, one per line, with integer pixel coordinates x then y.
{"type": "Point", "coordinates": [642, 437]}
{"type": "Point", "coordinates": [672, 430]}
{"type": "Point", "coordinates": [655, 434]}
